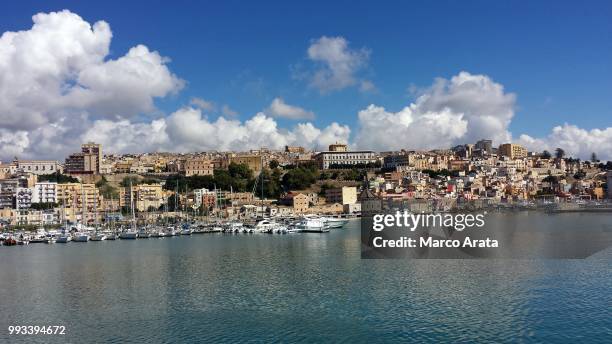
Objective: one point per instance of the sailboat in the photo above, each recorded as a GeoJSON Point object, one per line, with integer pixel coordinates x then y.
{"type": "Point", "coordinates": [82, 236]}
{"type": "Point", "coordinates": [130, 233]}
{"type": "Point", "coordinates": [97, 236]}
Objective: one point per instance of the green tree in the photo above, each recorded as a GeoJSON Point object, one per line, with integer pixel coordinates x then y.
{"type": "Point", "coordinates": [594, 157]}
{"type": "Point", "coordinates": [546, 154]}
{"type": "Point", "coordinates": [559, 153]}
{"type": "Point", "coordinates": [58, 178]}
{"type": "Point", "coordinates": [273, 164]}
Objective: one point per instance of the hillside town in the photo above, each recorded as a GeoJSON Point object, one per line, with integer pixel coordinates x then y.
{"type": "Point", "coordinates": [91, 186]}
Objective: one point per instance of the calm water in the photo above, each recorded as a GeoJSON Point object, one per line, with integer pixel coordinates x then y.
{"type": "Point", "coordinates": [299, 288]}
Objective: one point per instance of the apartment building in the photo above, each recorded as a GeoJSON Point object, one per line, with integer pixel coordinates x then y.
{"type": "Point", "coordinates": [44, 192]}
{"type": "Point", "coordinates": [144, 196]}
{"type": "Point", "coordinates": [343, 195]}
{"type": "Point", "coordinates": [513, 151]}
{"type": "Point", "coordinates": [333, 159]}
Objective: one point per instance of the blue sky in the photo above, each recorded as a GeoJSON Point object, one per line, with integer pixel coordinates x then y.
{"type": "Point", "coordinates": [555, 56]}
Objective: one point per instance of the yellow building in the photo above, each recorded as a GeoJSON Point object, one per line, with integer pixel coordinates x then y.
{"type": "Point", "coordinates": [253, 161]}
{"type": "Point", "coordinates": [343, 195]}
{"type": "Point", "coordinates": [199, 167]}
{"type": "Point", "coordinates": [513, 151]}
{"type": "Point", "coordinates": [301, 203]}
{"type": "Point", "coordinates": [145, 196]}
{"type": "Point", "coordinates": [79, 198]}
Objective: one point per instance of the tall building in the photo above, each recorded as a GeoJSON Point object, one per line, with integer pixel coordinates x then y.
{"type": "Point", "coordinates": [513, 151]}
{"type": "Point", "coordinates": [485, 146]}
{"type": "Point", "coordinates": [87, 161]}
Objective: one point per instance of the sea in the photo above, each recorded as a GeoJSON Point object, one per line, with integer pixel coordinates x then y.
{"type": "Point", "coordinates": [301, 288]}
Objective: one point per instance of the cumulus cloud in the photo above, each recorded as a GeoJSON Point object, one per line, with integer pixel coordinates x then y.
{"type": "Point", "coordinates": [463, 109]}
{"type": "Point", "coordinates": [188, 130]}
{"type": "Point", "coordinates": [278, 108]}
{"type": "Point", "coordinates": [337, 63]}
{"type": "Point", "coordinates": [575, 141]}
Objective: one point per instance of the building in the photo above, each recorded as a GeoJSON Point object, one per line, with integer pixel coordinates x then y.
{"type": "Point", "coordinates": [204, 196]}
{"type": "Point", "coordinates": [37, 167]}
{"type": "Point", "coordinates": [199, 167]}
{"type": "Point", "coordinates": [44, 192]}
{"type": "Point", "coordinates": [609, 179]}
{"type": "Point", "coordinates": [513, 151]}
{"type": "Point", "coordinates": [23, 198]}
{"type": "Point", "coordinates": [338, 147]}
{"type": "Point", "coordinates": [294, 149]}
{"type": "Point", "coordinates": [485, 147]}
{"type": "Point", "coordinates": [396, 160]}
{"type": "Point", "coordinates": [253, 161]}
{"type": "Point", "coordinates": [339, 159]}
{"type": "Point", "coordinates": [79, 199]}
{"type": "Point", "coordinates": [343, 195]}
{"type": "Point", "coordinates": [301, 203]}
{"type": "Point", "coordinates": [144, 196]}
{"type": "Point", "coordinates": [86, 162]}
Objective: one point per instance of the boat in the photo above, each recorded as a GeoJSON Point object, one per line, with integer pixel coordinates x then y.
{"type": "Point", "coordinates": [81, 237]}
{"type": "Point", "coordinates": [186, 231]}
{"type": "Point", "coordinates": [98, 236]}
{"type": "Point", "coordinates": [63, 238]}
{"type": "Point", "coordinates": [312, 225]}
{"type": "Point", "coordinates": [334, 222]}
{"type": "Point", "coordinates": [143, 233]}
{"type": "Point", "coordinates": [9, 242]}
{"type": "Point", "coordinates": [267, 226]}
{"type": "Point", "coordinates": [128, 234]}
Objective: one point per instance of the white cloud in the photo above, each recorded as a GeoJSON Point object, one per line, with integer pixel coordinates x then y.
{"type": "Point", "coordinates": [278, 108]}
{"type": "Point", "coordinates": [338, 64]}
{"type": "Point", "coordinates": [57, 69]}
{"type": "Point", "coordinates": [575, 141]}
{"type": "Point", "coordinates": [188, 130]}
{"type": "Point", "coordinates": [460, 110]}
{"type": "Point", "coordinates": [203, 104]}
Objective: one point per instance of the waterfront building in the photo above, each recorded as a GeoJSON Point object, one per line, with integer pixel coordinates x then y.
{"type": "Point", "coordinates": [609, 180]}
{"type": "Point", "coordinates": [144, 196]}
{"type": "Point", "coordinates": [513, 151]}
{"type": "Point", "coordinates": [343, 195]}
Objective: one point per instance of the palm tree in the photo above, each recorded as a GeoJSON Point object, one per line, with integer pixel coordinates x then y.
{"type": "Point", "coordinates": [594, 157]}
{"type": "Point", "coordinates": [546, 154]}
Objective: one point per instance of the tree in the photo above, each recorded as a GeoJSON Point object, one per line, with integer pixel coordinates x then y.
{"type": "Point", "coordinates": [273, 164]}
{"type": "Point", "coordinates": [594, 157]}
{"type": "Point", "coordinates": [300, 177]}
{"type": "Point", "coordinates": [559, 153]}
{"type": "Point", "coordinates": [546, 154]}
{"type": "Point", "coordinates": [58, 178]}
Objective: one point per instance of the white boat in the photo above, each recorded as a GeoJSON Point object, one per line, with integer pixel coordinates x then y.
{"type": "Point", "coordinates": [129, 234]}
{"type": "Point", "coordinates": [334, 222]}
{"type": "Point", "coordinates": [268, 226]}
{"type": "Point", "coordinates": [170, 231]}
{"type": "Point", "coordinates": [81, 237]}
{"type": "Point", "coordinates": [186, 231]}
{"type": "Point", "coordinates": [63, 238]}
{"type": "Point", "coordinates": [111, 236]}
{"type": "Point", "coordinates": [312, 224]}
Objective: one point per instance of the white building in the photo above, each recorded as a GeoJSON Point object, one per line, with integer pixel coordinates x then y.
{"type": "Point", "coordinates": [45, 192]}
{"type": "Point", "coordinates": [37, 167]}
{"type": "Point", "coordinates": [327, 160]}
{"type": "Point", "coordinates": [23, 198]}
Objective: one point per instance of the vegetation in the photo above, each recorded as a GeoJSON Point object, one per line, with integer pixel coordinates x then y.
{"type": "Point", "coordinates": [273, 164]}
{"type": "Point", "coordinates": [441, 173]}
{"type": "Point", "coordinates": [559, 153]}
{"type": "Point", "coordinates": [43, 206]}
{"type": "Point", "coordinates": [58, 178]}
{"type": "Point", "coordinates": [546, 154]}
{"type": "Point", "coordinates": [300, 177]}
{"type": "Point", "coordinates": [107, 190]}
{"type": "Point", "coordinates": [238, 177]}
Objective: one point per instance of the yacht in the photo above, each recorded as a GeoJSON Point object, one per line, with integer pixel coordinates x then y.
{"type": "Point", "coordinates": [267, 226]}
{"type": "Point", "coordinates": [312, 224]}
{"type": "Point", "coordinates": [186, 231]}
{"type": "Point", "coordinates": [170, 231]}
{"type": "Point", "coordinates": [63, 238]}
{"type": "Point", "coordinates": [334, 222]}
{"type": "Point", "coordinates": [98, 236]}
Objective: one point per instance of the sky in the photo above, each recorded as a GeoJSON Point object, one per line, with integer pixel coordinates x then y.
{"type": "Point", "coordinates": [195, 76]}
